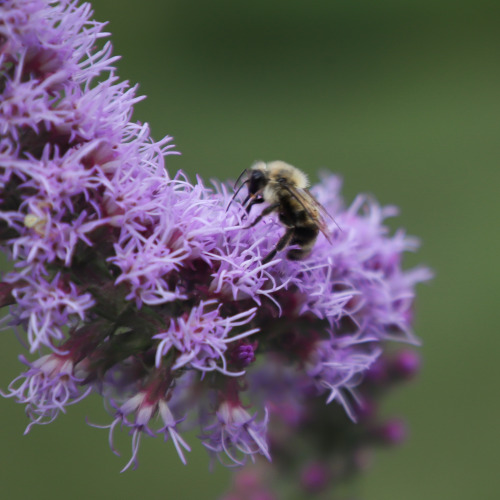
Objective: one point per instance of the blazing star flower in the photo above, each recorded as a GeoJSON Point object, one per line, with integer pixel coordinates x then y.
{"type": "Point", "coordinates": [146, 289]}
{"type": "Point", "coordinates": [236, 431]}
{"type": "Point", "coordinates": [201, 338]}
{"type": "Point", "coordinates": [47, 387]}
{"type": "Point", "coordinates": [143, 406]}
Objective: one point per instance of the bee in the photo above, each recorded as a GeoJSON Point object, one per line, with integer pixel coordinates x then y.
{"type": "Point", "coordinates": [284, 189]}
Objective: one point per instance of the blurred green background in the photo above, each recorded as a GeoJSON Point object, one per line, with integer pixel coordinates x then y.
{"type": "Point", "coordinates": [399, 97]}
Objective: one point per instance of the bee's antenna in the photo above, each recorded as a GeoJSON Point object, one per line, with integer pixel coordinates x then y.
{"type": "Point", "coordinates": [239, 178]}
{"type": "Point", "coordinates": [237, 190]}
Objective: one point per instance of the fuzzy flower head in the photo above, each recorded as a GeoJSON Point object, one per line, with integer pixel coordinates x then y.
{"type": "Point", "coordinates": [166, 296]}
{"type": "Point", "coordinates": [138, 414]}
{"type": "Point", "coordinates": [201, 337]}
{"type": "Point", "coordinates": [236, 434]}
{"type": "Point", "coordinates": [46, 387]}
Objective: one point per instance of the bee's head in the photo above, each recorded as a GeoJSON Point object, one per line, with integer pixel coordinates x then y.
{"type": "Point", "coordinates": [257, 179]}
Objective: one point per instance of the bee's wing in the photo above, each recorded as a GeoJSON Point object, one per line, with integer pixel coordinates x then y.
{"type": "Point", "coordinates": [313, 208]}
{"type": "Point", "coordinates": [321, 208]}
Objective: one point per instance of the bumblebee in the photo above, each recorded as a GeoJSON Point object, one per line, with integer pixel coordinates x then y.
{"type": "Point", "coordinates": [284, 189]}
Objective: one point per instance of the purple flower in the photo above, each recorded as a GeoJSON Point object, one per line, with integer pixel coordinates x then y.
{"type": "Point", "coordinates": [201, 337]}
{"type": "Point", "coordinates": [339, 368]}
{"type": "Point", "coordinates": [46, 308]}
{"type": "Point", "coordinates": [144, 288]}
{"type": "Point", "coordinates": [236, 434]}
{"type": "Point", "coordinates": [143, 407]}
{"type": "Point", "coordinates": [47, 387]}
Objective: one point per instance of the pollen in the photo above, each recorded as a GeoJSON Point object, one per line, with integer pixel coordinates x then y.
{"type": "Point", "coordinates": [32, 221]}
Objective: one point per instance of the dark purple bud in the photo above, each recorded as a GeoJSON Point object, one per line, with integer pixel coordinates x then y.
{"type": "Point", "coordinates": [405, 365]}
{"type": "Point", "coordinates": [394, 431]}
{"type": "Point", "coordinates": [377, 373]}
{"type": "Point", "coordinates": [243, 354]}
{"type": "Point", "coordinates": [314, 477]}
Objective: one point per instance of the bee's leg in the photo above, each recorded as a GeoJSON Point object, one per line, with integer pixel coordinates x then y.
{"type": "Point", "coordinates": [253, 201]}
{"type": "Point", "coordinates": [266, 211]}
{"type": "Point", "coordinates": [282, 243]}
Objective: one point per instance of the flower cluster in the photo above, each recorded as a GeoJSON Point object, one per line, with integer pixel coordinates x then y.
{"type": "Point", "coordinates": [144, 288]}
{"type": "Point", "coordinates": [314, 447]}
